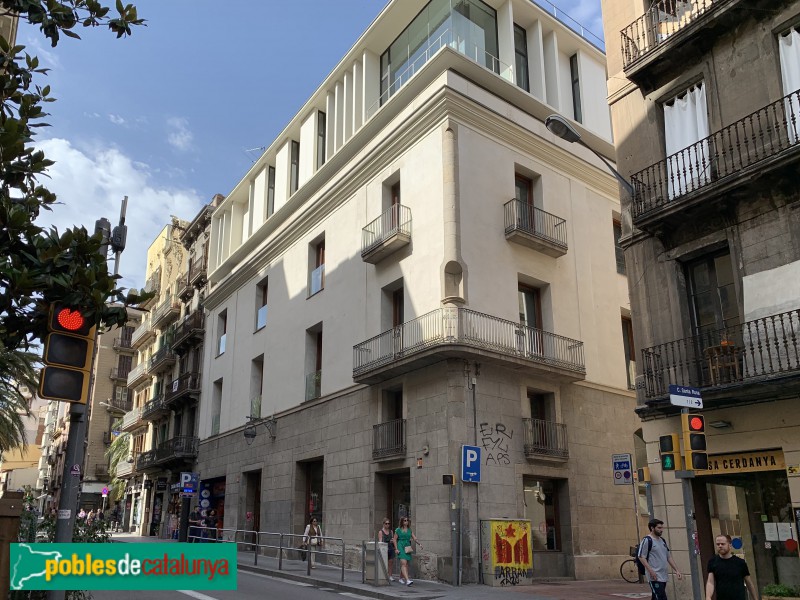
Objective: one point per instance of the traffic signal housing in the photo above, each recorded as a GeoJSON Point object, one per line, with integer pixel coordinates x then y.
{"type": "Point", "coordinates": [68, 350]}
{"type": "Point", "coordinates": [643, 474]}
{"type": "Point", "coordinates": [694, 441]}
{"type": "Point", "coordinates": [670, 451]}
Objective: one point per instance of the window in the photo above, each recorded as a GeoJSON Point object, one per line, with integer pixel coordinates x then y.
{"type": "Point", "coordinates": [317, 278]}
{"type": "Point", "coordinates": [222, 332]}
{"type": "Point", "coordinates": [630, 352]}
{"type": "Point", "coordinates": [270, 191]}
{"type": "Point", "coordinates": [521, 57]}
{"type": "Point", "coordinates": [576, 88]}
{"type": "Point", "coordinates": [256, 386]}
{"type": "Point", "coordinates": [262, 290]}
{"type": "Point", "coordinates": [398, 308]}
{"type": "Point", "coordinates": [620, 254]}
{"type": "Point", "coordinates": [216, 406]}
{"type": "Point", "coordinates": [712, 298]}
{"type": "Point", "coordinates": [314, 362]}
{"type": "Point", "coordinates": [686, 124]}
{"type": "Point", "coordinates": [789, 48]}
{"type": "Point", "coordinates": [120, 393]}
{"type": "Point", "coordinates": [529, 337]}
{"type": "Point", "coordinates": [525, 213]}
{"type": "Point", "coordinates": [294, 167]}
{"type": "Point", "coordinates": [321, 123]}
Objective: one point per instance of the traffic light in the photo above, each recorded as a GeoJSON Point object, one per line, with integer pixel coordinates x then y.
{"type": "Point", "coordinates": [643, 474]}
{"type": "Point", "coordinates": [694, 442]}
{"type": "Point", "coordinates": [67, 356]}
{"type": "Point", "coordinates": [670, 450]}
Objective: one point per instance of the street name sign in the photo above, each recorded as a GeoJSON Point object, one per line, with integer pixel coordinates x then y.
{"type": "Point", "coordinates": [688, 397]}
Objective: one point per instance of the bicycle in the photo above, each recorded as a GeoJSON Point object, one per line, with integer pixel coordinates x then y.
{"type": "Point", "coordinates": [628, 569]}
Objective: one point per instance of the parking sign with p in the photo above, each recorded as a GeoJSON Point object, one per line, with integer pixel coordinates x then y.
{"type": "Point", "coordinates": [471, 464]}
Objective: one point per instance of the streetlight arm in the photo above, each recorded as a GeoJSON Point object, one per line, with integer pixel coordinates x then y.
{"type": "Point", "coordinates": [623, 182]}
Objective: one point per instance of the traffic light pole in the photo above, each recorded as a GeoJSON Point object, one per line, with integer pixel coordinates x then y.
{"type": "Point", "coordinates": [691, 534]}
{"type": "Point", "coordinates": [75, 452]}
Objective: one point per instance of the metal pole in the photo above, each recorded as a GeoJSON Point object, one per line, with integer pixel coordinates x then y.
{"type": "Point", "coordinates": [686, 477]}
{"type": "Point", "coordinates": [455, 527]}
{"type": "Point", "coordinates": [635, 490]}
{"type": "Point", "coordinates": [474, 382]}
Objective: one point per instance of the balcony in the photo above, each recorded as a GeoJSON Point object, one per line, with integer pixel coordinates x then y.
{"type": "Point", "coordinates": [674, 32]}
{"type": "Point", "coordinates": [123, 343]}
{"type": "Point", "coordinates": [189, 330]}
{"type": "Point", "coordinates": [465, 333]}
{"type": "Point", "coordinates": [155, 408]}
{"type": "Point", "coordinates": [163, 359]}
{"type": "Point", "coordinates": [185, 289]}
{"type": "Point", "coordinates": [389, 439]}
{"type": "Point", "coordinates": [313, 385]}
{"type": "Point", "coordinates": [143, 333]}
{"type": "Point", "coordinates": [761, 144]}
{"type": "Point", "coordinates": [101, 470]}
{"type": "Point", "coordinates": [120, 373]}
{"type": "Point", "coordinates": [118, 405]}
{"type": "Point", "coordinates": [124, 469]}
{"type": "Point", "coordinates": [166, 312]}
{"type": "Point", "coordinates": [153, 285]}
{"type": "Point", "coordinates": [755, 359]}
{"type": "Point", "coordinates": [132, 420]}
{"type": "Point", "coordinates": [187, 386]}
{"type": "Point", "coordinates": [386, 234]}
{"type": "Point", "coordinates": [138, 375]}
{"type": "Point", "coordinates": [545, 439]}
{"type": "Point", "coordinates": [146, 461]}
{"type": "Point", "coordinates": [197, 271]}
{"type": "Point", "coordinates": [177, 450]}
{"type": "Point", "coordinates": [108, 437]}
{"type": "Point", "coordinates": [535, 228]}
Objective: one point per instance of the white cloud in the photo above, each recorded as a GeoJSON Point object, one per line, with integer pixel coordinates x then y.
{"type": "Point", "coordinates": [179, 135]}
{"type": "Point", "coordinates": [91, 184]}
{"type": "Point", "coordinates": [116, 119]}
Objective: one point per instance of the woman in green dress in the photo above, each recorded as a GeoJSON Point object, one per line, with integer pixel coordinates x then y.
{"type": "Point", "coordinates": [402, 541]}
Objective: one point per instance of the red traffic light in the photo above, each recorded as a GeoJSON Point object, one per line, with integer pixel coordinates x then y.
{"type": "Point", "coordinates": [697, 423]}
{"type": "Point", "coordinates": [69, 320]}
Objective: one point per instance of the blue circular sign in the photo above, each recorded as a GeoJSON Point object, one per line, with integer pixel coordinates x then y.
{"type": "Point", "coordinates": [737, 543]}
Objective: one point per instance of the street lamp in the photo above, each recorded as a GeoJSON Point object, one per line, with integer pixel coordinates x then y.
{"type": "Point", "coordinates": [560, 127]}
{"type": "Point", "coordinates": [251, 430]}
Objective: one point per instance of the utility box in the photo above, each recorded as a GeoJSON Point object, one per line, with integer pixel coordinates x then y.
{"type": "Point", "coordinates": [381, 566]}
{"type": "Point", "coordinates": [507, 544]}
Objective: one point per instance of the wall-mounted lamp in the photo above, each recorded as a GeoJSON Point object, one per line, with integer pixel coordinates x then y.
{"type": "Point", "coordinates": [720, 424]}
{"type": "Point", "coordinates": [538, 493]}
{"type": "Point", "coordinates": [419, 462]}
{"type": "Point", "coordinates": [251, 430]}
{"type": "Point", "coordinates": [560, 127]}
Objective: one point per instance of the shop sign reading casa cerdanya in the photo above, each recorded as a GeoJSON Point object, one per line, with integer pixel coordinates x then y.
{"type": "Point", "coordinates": [744, 462]}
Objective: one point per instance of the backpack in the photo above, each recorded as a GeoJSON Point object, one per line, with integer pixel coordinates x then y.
{"type": "Point", "coordinates": [639, 565]}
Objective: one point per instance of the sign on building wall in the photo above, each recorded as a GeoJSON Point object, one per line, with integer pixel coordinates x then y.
{"type": "Point", "coordinates": [744, 462]}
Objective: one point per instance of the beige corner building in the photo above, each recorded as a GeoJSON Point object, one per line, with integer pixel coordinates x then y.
{"type": "Point", "coordinates": [416, 264]}
{"type": "Point", "coordinates": [706, 112]}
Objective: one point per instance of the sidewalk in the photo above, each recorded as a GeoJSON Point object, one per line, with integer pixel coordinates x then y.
{"type": "Point", "coordinates": [331, 578]}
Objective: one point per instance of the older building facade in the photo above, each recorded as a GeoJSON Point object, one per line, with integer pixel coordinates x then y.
{"type": "Point", "coordinates": [416, 264]}
{"type": "Point", "coordinates": [706, 111]}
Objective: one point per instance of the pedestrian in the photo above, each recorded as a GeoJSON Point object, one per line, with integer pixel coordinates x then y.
{"type": "Point", "coordinates": [655, 556]}
{"type": "Point", "coordinates": [195, 520]}
{"type": "Point", "coordinates": [211, 525]}
{"type": "Point", "coordinates": [403, 537]}
{"type": "Point", "coordinates": [386, 536]}
{"type": "Point", "coordinates": [81, 514]}
{"type": "Point", "coordinates": [90, 517]}
{"type": "Point", "coordinates": [312, 538]}
{"type": "Point", "coordinates": [173, 525]}
{"type": "Point", "coordinates": [728, 574]}
{"type": "Point", "coordinates": [101, 515]}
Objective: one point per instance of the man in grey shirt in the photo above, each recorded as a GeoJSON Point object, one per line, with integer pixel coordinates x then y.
{"type": "Point", "coordinates": [654, 554]}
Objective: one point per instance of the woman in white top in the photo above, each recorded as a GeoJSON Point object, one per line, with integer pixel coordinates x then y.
{"type": "Point", "coordinates": [312, 538]}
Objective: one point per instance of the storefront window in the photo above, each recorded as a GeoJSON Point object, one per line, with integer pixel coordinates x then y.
{"type": "Point", "coordinates": [541, 509]}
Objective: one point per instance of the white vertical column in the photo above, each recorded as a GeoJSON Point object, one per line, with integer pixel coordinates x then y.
{"type": "Point", "coordinates": [282, 175]}
{"type": "Point", "coordinates": [330, 124]}
{"type": "Point", "coordinates": [372, 83]}
{"type": "Point", "coordinates": [348, 106]}
{"type": "Point", "coordinates": [536, 61]}
{"type": "Point", "coordinates": [505, 41]}
{"type": "Point", "coordinates": [358, 96]}
{"type": "Point", "coordinates": [339, 131]}
{"type": "Point", "coordinates": [551, 71]}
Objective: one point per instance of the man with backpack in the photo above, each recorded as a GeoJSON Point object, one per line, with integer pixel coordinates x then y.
{"type": "Point", "coordinates": [655, 556]}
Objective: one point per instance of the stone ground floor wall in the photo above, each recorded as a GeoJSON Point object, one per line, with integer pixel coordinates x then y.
{"type": "Point", "coordinates": [334, 435]}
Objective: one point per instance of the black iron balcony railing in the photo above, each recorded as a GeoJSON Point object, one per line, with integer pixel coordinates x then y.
{"type": "Point", "coordinates": [521, 216]}
{"type": "Point", "coordinates": [101, 470]}
{"type": "Point", "coordinates": [197, 270]}
{"type": "Point", "coordinates": [465, 327]}
{"type": "Point", "coordinates": [545, 438]}
{"type": "Point", "coordinates": [185, 384]}
{"type": "Point", "coordinates": [155, 407]}
{"type": "Point", "coordinates": [739, 148]}
{"type": "Point", "coordinates": [192, 325]}
{"type": "Point", "coordinates": [163, 358]}
{"type": "Point", "coordinates": [184, 286]}
{"type": "Point", "coordinates": [393, 222]}
{"type": "Point", "coordinates": [179, 447]}
{"type": "Point", "coordinates": [663, 19]}
{"type": "Point", "coordinates": [389, 439]}
{"type": "Point", "coordinates": [750, 351]}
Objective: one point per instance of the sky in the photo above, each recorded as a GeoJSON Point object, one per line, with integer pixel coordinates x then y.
{"type": "Point", "coordinates": [180, 110]}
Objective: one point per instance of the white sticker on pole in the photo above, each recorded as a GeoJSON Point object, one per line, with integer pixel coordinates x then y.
{"type": "Point", "coordinates": [64, 513]}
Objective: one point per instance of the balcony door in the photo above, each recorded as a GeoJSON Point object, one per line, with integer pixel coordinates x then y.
{"type": "Point", "coordinates": [523, 192]}
{"type": "Point", "coordinates": [685, 128]}
{"type": "Point", "coordinates": [530, 340]}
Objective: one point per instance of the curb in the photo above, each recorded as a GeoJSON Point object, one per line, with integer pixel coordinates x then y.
{"type": "Point", "coordinates": [335, 585]}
